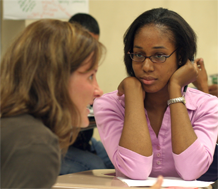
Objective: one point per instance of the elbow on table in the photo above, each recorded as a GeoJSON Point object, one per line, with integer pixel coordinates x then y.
{"type": "Point", "coordinates": [188, 171]}
{"type": "Point", "coordinates": [137, 174]}
{"type": "Point", "coordinates": [138, 177]}
{"type": "Point", "coordinates": [132, 165]}
{"type": "Point", "coordinates": [189, 175]}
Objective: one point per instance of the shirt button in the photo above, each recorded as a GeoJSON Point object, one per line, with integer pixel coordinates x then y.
{"type": "Point", "coordinates": [158, 154]}
{"type": "Point", "coordinates": [158, 162]}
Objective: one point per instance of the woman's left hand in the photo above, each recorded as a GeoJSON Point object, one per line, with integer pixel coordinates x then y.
{"type": "Point", "coordinates": [185, 74]}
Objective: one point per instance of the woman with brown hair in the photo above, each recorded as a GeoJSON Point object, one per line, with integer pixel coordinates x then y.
{"type": "Point", "coordinates": [48, 78]}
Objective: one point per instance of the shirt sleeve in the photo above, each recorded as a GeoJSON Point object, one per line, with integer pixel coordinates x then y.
{"type": "Point", "coordinates": [109, 115]}
{"type": "Point", "coordinates": [196, 159]}
{"type": "Point", "coordinates": [33, 165]}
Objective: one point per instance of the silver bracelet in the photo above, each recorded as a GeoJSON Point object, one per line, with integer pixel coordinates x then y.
{"type": "Point", "coordinates": [175, 100]}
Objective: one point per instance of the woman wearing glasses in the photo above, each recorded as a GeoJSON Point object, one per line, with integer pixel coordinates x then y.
{"type": "Point", "coordinates": [149, 126]}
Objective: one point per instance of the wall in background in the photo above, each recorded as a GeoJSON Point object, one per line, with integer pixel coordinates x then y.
{"type": "Point", "coordinates": [115, 17]}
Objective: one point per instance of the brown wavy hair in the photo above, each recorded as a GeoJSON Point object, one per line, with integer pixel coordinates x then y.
{"type": "Point", "coordinates": [35, 73]}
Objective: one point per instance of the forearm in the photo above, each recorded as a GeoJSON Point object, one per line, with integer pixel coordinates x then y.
{"type": "Point", "coordinates": [203, 113]}
{"type": "Point", "coordinates": [203, 87]}
{"type": "Point", "coordinates": [135, 135]}
{"type": "Point", "coordinates": [201, 81]}
{"type": "Point", "coordinates": [109, 114]}
{"type": "Point", "coordinates": [182, 132]}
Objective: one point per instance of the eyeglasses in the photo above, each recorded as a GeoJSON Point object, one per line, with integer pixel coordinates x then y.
{"type": "Point", "coordinates": [158, 58]}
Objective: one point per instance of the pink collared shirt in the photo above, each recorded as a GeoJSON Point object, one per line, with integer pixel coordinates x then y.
{"type": "Point", "coordinates": [109, 111]}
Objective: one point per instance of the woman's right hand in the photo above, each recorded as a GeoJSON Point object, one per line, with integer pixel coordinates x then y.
{"type": "Point", "coordinates": [135, 124]}
{"type": "Point", "coordinates": [129, 84]}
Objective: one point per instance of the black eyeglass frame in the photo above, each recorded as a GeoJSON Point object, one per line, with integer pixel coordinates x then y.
{"type": "Point", "coordinates": [165, 56]}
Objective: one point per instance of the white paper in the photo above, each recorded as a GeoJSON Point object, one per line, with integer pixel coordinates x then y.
{"type": "Point", "coordinates": [168, 181]}
{"type": "Point", "coordinates": [38, 9]}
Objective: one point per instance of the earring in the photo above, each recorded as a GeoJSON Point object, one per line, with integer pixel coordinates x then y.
{"type": "Point", "coordinates": [180, 62]}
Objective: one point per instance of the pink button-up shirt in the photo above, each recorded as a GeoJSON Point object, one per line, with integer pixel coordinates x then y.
{"type": "Point", "coordinates": [109, 111]}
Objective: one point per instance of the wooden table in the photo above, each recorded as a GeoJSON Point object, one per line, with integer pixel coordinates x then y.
{"type": "Point", "coordinates": [94, 179]}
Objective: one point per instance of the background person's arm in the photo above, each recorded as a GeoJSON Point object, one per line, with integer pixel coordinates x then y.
{"type": "Point", "coordinates": [201, 82]}
{"type": "Point", "coordinates": [213, 89]}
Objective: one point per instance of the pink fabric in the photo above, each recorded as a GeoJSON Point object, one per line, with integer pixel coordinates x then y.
{"type": "Point", "coordinates": [109, 111]}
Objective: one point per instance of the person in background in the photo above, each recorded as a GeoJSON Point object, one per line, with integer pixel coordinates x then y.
{"type": "Point", "coordinates": [47, 82]}
{"type": "Point", "coordinates": [151, 125]}
{"type": "Point", "coordinates": [86, 153]}
{"type": "Point", "coordinates": [201, 83]}
{"type": "Point", "coordinates": [88, 22]}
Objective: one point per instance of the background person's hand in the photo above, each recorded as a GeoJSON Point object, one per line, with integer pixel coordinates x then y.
{"type": "Point", "coordinates": [201, 82]}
